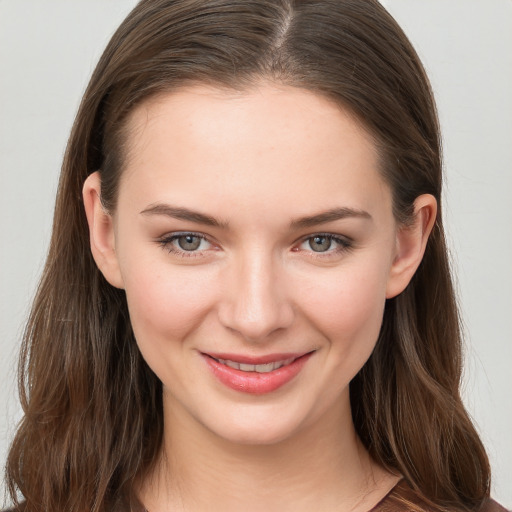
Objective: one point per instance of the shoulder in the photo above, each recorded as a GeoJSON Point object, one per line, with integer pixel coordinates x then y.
{"type": "Point", "coordinates": [402, 498]}
{"type": "Point", "coordinates": [490, 505]}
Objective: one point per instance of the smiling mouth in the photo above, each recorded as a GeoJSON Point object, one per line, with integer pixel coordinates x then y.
{"type": "Point", "coordinates": [258, 368]}
{"type": "Point", "coordinates": [256, 375]}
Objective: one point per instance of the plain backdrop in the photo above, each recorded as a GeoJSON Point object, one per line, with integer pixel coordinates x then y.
{"type": "Point", "coordinates": [48, 49]}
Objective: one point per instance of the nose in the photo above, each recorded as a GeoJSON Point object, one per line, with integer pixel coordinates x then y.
{"type": "Point", "coordinates": [256, 304]}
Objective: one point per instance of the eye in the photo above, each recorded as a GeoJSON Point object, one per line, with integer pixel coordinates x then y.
{"type": "Point", "coordinates": [185, 244]}
{"type": "Point", "coordinates": [320, 243]}
{"type": "Point", "coordinates": [189, 242]}
{"type": "Point", "coordinates": [325, 243]}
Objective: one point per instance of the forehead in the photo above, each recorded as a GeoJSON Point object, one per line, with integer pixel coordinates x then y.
{"type": "Point", "coordinates": [275, 113]}
{"type": "Point", "coordinates": [251, 147]}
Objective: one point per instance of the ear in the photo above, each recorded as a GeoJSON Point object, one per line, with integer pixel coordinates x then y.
{"type": "Point", "coordinates": [411, 242]}
{"type": "Point", "coordinates": [101, 231]}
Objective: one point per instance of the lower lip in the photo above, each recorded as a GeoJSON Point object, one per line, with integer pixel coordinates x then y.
{"type": "Point", "coordinates": [254, 382]}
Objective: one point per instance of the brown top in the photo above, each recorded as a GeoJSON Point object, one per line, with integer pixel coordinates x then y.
{"type": "Point", "coordinates": [402, 498]}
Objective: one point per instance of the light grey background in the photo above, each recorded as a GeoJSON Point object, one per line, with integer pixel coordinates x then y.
{"type": "Point", "coordinates": [48, 49]}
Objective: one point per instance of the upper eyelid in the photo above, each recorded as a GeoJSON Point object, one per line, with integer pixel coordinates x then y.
{"type": "Point", "coordinates": [167, 242]}
{"type": "Point", "coordinates": [171, 237]}
{"type": "Point", "coordinates": [344, 245]}
{"type": "Point", "coordinates": [176, 234]}
{"type": "Point", "coordinates": [333, 236]}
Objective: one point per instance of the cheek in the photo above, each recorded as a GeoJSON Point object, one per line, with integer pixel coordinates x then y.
{"type": "Point", "coordinates": [347, 305]}
{"type": "Point", "coordinates": [167, 304]}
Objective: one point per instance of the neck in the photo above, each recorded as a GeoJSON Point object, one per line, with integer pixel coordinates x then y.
{"type": "Point", "coordinates": [322, 467]}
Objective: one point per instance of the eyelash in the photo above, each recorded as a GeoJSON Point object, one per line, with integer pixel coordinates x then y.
{"type": "Point", "coordinates": [344, 245]}
{"type": "Point", "coordinates": [167, 243]}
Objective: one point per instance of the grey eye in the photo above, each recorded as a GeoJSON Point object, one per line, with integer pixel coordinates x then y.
{"type": "Point", "coordinates": [320, 243]}
{"type": "Point", "coordinates": [189, 242]}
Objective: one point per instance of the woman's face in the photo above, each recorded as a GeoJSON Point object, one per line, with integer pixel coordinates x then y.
{"type": "Point", "coordinates": [255, 240]}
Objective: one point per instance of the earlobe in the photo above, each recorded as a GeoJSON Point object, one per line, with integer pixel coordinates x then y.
{"type": "Point", "coordinates": [411, 243]}
{"type": "Point", "coordinates": [101, 231]}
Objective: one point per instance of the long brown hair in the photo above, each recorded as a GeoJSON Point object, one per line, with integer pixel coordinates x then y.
{"type": "Point", "coordinates": [92, 407]}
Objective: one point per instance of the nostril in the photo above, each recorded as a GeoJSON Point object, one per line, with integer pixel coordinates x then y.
{"type": "Point", "coordinates": [256, 329]}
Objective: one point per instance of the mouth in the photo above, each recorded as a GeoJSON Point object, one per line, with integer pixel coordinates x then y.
{"type": "Point", "coordinates": [256, 375]}
{"type": "Point", "coordinates": [259, 368]}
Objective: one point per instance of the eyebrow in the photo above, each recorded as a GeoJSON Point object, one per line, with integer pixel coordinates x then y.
{"type": "Point", "coordinates": [329, 216]}
{"type": "Point", "coordinates": [180, 213]}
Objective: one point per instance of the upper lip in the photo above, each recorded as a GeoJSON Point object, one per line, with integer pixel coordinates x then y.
{"type": "Point", "coordinates": [264, 359]}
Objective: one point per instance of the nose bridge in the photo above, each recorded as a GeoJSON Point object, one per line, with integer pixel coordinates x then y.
{"type": "Point", "coordinates": [258, 304]}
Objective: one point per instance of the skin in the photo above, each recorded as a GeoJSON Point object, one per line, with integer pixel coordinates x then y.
{"type": "Point", "coordinates": [256, 161]}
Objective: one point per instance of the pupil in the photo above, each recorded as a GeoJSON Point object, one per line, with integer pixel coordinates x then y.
{"type": "Point", "coordinates": [189, 242]}
{"type": "Point", "coordinates": [320, 243]}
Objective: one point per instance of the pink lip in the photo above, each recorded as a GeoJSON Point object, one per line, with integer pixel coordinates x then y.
{"type": "Point", "coordinates": [269, 358]}
{"type": "Point", "coordinates": [254, 382]}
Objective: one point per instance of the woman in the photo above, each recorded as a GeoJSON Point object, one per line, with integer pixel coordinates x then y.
{"type": "Point", "coordinates": [247, 303]}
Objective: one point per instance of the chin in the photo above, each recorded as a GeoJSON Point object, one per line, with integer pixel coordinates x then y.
{"type": "Point", "coordinates": [246, 427]}
{"type": "Point", "coordinates": [250, 436]}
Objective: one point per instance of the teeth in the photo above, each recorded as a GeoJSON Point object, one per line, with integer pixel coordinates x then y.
{"type": "Point", "coordinates": [265, 368]}
{"type": "Point", "coordinates": [231, 364]}
{"type": "Point", "coordinates": [259, 368]}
